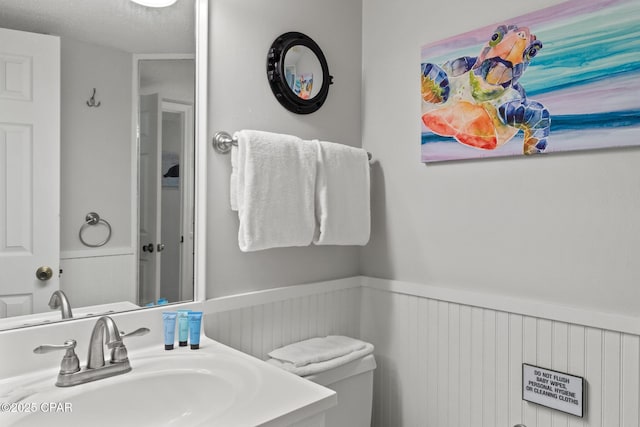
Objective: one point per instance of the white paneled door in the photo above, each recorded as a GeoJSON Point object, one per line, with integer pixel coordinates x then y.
{"type": "Point", "coordinates": [29, 171]}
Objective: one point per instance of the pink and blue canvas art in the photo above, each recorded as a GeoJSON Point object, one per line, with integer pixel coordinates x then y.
{"type": "Point", "coordinates": [563, 78]}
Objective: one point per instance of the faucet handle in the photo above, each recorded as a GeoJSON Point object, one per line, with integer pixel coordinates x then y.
{"type": "Point", "coordinates": [119, 352]}
{"type": "Point", "coordinates": [138, 332]}
{"type": "Point", "coordinates": [70, 362]}
{"type": "Point", "coordinates": [47, 348]}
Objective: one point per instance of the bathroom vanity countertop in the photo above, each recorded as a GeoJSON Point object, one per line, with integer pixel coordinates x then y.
{"type": "Point", "coordinates": [237, 390]}
{"type": "Point", "coordinates": [55, 316]}
{"type": "Point", "coordinates": [282, 398]}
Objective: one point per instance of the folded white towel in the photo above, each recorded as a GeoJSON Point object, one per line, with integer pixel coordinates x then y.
{"type": "Point", "coordinates": [316, 350]}
{"type": "Point", "coordinates": [343, 210]}
{"type": "Point", "coordinates": [314, 368]}
{"type": "Point", "coordinates": [276, 182]}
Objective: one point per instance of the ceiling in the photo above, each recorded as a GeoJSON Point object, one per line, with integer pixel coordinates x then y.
{"type": "Point", "coordinates": [119, 24]}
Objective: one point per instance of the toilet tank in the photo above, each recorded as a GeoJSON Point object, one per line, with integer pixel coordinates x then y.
{"type": "Point", "coordinates": [353, 384]}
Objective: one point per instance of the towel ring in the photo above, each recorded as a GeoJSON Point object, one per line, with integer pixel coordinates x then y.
{"type": "Point", "coordinates": [93, 218]}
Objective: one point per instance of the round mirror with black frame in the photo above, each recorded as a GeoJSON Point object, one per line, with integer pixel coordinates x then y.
{"type": "Point", "coordinates": [298, 73]}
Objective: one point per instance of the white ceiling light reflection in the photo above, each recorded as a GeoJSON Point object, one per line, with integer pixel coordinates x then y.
{"type": "Point", "coordinates": [155, 3]}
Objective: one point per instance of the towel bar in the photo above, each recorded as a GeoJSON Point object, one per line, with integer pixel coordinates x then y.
{"type": "Point", "coordinates": [223, 141]}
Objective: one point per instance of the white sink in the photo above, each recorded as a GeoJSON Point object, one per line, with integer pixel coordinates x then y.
{"type": "Point", "coordinates": [186, 389]}
{"type": "Point", "coordinates": [215, 385]}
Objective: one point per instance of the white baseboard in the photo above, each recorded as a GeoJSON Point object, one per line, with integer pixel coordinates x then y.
{"type": "Point", "coordinates": [249, 299]}
{"type": "Point", "coordinates": [527, 307]}
{"type": "Point", "coordinates": [96, 252]}
{"type": "Point", "coordinates": [521, 306]}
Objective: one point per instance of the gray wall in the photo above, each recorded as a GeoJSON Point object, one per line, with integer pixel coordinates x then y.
{"type": "Point", "coordinates": [95, 143]}
{"type": "Point", "coordinates": [560, 228]}
{"type": "Point", "coordinates": [241, 33]}
{"type": "Point", "coordinates": [96, 167]}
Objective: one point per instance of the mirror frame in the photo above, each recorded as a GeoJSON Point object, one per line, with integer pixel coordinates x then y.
{"type": "Point", "coordinates": [200, 152]}
{"type": "Point", "coordinates": [277, 78]}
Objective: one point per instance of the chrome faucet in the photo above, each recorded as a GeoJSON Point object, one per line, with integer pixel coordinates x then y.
{"type": "Point", "coordinates": [105, 332]}
{"type": "Point", "coordinates": [60, 300]}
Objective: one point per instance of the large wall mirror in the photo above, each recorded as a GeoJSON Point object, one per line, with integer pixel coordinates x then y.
{"type": "Point", "coordinates": [102, 116]}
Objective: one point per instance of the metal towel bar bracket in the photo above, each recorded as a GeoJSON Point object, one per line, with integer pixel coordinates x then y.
{"type": "Point", "coordinates": [223, 141]}
{"type": "Point", "coordinates": [93, 218]}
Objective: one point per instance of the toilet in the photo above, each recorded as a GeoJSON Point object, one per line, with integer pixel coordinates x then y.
{"type": "Point", "coordinates": [353, 384]}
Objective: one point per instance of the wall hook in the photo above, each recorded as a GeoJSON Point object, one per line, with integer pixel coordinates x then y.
{"type": "Point", "coordinates": [92, 101]}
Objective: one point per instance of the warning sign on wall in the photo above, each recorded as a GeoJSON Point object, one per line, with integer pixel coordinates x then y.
{"type": "Point", "coordinates": [553, 389]}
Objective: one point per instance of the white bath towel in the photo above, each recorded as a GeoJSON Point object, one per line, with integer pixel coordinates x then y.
{"type": "Point", "coordinates": [276, 177]}
{"type": "Point", "coordinates": [314, 368]}
{"type": "Point", "coordinates": [317, 349]}
{"type": "Point", "coordinates": [343, 210]}
{"type": "Point", "coordinates": [233, 182]}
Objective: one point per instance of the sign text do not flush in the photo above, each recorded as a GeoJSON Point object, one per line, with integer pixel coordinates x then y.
{"type": "Point", "coordinates": [553, 389]}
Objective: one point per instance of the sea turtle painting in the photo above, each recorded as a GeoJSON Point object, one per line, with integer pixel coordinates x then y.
{"type": "Point", "coordinates": [478, 100]}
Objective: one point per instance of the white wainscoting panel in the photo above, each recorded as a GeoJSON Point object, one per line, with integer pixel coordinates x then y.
{"type": "Point", "coordinates": [444, 360]}
{"type": "Point", "coordinates": [258, 322]}
{"type": "Point", "coordinates": [99, 279]}
{"type": "Point", "coordinates": [445, 364]}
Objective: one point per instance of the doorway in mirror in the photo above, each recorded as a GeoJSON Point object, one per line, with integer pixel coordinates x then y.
{"type": "Point", "coordinates": [166, 180]}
